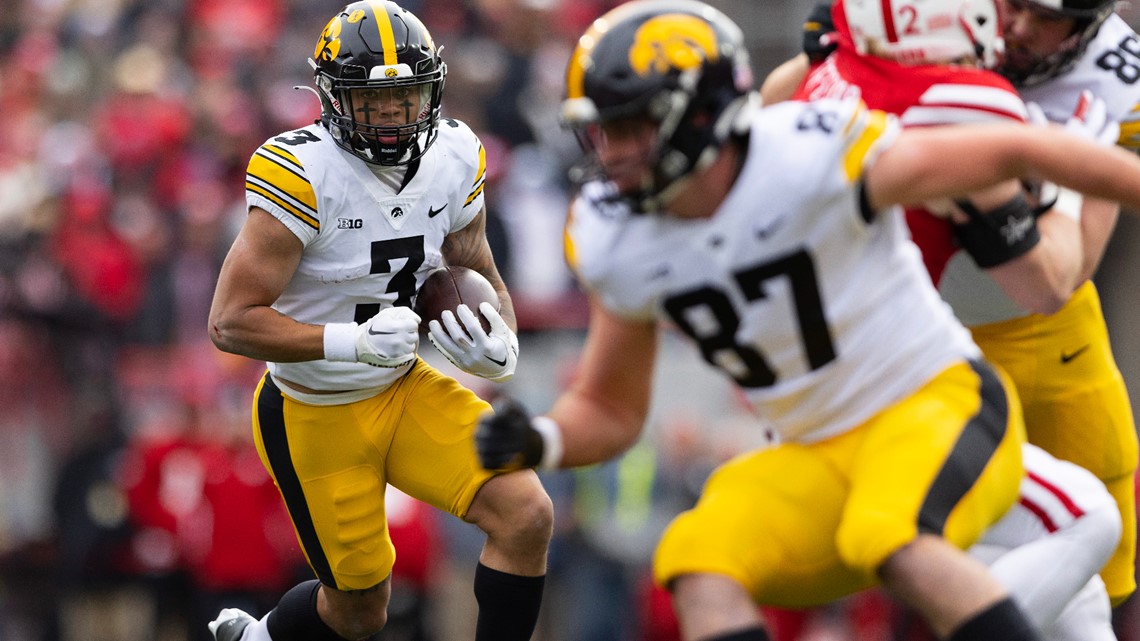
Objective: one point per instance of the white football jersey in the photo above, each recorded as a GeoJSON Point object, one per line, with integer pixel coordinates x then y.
{"type": "Point", "coordinates": [822, 316]}
{"type": "Point", "coordinates": [1110, 68]}
{"type": "Point", "coordinates": [366, 246]}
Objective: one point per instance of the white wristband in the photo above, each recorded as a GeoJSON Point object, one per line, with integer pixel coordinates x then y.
{"type": "Point", "coordinates": [340, 342]}
{"type": "Point", "coordinates": [551, 442]}
{"type": "Point", "coordinates": [1069, 203]}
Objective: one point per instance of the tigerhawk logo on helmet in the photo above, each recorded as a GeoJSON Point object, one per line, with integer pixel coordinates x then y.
{"type": "Point", "coordinates": [672, 42]}
{"type": "Point", "coordinates": [680, 64]}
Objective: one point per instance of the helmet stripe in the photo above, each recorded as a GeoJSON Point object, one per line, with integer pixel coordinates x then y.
{"type": "Point", "coordinates": [384, 25]}
{"type": "Point", "coordinates": [889, 21]}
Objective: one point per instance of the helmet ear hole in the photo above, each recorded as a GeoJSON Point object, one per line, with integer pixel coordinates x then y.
{"type": "Point", "coordinates": [383, 50]}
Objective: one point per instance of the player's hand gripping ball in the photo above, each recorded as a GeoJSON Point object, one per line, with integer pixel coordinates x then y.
{"type": "Point", "coordinates": [459, 310]}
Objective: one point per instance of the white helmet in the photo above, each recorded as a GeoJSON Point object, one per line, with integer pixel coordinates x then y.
{"type": "Point", "coordinates": [926, 31]}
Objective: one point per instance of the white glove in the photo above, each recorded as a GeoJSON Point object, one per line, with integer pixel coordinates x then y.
{"type": "Point", "coordinates": [492, 356]}
{"type": "Point", "coordinates": [388, 339]}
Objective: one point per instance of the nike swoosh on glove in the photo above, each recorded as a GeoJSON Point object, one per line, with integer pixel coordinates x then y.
{"type": "Point", "coordinates": [389, 339]}
{"type": "Point", "coordinates": [491, 355]}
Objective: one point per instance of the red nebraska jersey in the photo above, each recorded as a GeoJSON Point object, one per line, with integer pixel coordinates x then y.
{"type": "Point", "coordinates": [920, 95]}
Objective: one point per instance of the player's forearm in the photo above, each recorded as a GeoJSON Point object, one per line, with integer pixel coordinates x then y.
{"type": "Point", "coordinates": [593, 431]}
{"type": "Point", "coordinates": [1042, 280]}
{"type": "Point", "coordinates": [914, 170]}
{"type": "Point", "coordinates": [1108, 173]}
{"type": "Point", "coordinates": [1098, 219]}
{"type": "Point", "coordinates": [263, 333]}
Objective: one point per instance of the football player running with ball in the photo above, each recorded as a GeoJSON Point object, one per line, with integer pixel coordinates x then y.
{"type": "Point", "coordinates": [346, 219]}
{"type": "Point", "coordinates": [772, 239]}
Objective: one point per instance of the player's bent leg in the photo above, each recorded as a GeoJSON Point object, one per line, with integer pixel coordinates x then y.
{"type": "Point", "coordinates": [355, 614]}
{"type": "Point", "coordinates": [1087, 617]}
{"type": "Point", "coordinates": [954, 593]}
{"type": "Point", "coordinates": [714, 607]}
{"type": "Point", "coordinates": [518, 517]}
{"type": "Point", "coordinates": [314, 612]}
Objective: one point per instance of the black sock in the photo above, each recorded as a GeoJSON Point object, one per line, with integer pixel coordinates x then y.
{"type": "Point", "coordinates": [508, 604]}
{"type": "Point", "coordinates": [748, 634]}
{"type": "Point", "coordinates": [295, 618]}
{"type": "Point", "coordinates": [1002, 621]}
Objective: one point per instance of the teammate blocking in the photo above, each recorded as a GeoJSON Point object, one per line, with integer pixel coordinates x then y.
{"type": "Point", "coordinates": [770, 238]}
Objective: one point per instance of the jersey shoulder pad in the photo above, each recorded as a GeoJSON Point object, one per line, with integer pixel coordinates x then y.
{"type": "Point", "coordinates": [463, 144]}
{"type": "Point", "coordinates": [593, 222]}
{"type": "Point", "coordinates": [276, 177]}
{"type": "Point", "coordinates": [810, 139]}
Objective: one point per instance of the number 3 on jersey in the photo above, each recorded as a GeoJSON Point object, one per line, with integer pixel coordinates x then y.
{"type": "Point", "coordinates": [717, 339]}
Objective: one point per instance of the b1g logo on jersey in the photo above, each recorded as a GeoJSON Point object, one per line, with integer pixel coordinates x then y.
{"type": "Point", "coordinates": [349, 223]}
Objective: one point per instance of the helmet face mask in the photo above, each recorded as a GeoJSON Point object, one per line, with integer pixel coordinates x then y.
{"type": "Point", "coordinates": [1025, 68]}
{"type": "Point", "coordinates": [380, 80]}
{"type": "Point", "coordinates": [678, 65]}
{"type": "Point", "coordinates": [914, 32]}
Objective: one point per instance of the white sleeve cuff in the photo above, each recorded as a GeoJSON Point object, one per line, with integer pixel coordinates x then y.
{"type": "Point", "coordinates": [340, 342]}
{"type": "Point", "coordinates": [551, 435]}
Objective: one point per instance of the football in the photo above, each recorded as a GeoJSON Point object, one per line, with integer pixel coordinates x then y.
{"type": "Point", "coordinates": [449, 287]}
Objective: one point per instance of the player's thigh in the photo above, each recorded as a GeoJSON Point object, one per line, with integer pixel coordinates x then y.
{"type": "Point", "coordinates": [329, 469]}
{"type": "Point", "coordinates": [945, 461]}
{"type": "Point", "coordinates": [1075, 401]}
{"type": "Point", "coordinates": [766, 519]}
{"type": "Point", "coordinates": [432, 453]}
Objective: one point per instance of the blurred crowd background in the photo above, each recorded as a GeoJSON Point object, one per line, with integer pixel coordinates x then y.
{"type": "Point", "coordinates": [132, 503]}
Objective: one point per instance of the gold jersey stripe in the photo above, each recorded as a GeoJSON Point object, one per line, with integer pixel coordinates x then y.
{"type": "Point", "coordinates": [285, 205]}
{"type": "Point", "coordinates": [474, 194]}
{"type": "Point", "coordinates": [867, 126]}
{"type": "Point", "coordinates": [281, 196]}
{"type": "Point", "coordinates": [284, 175]}
{"type": "Point", "coordinates": [480, 177]}
{"type": "Point", "coordinates": [384, 25]}
{"type": "Point", "coordinates": [569, 250]}
{"type": "Point", "coordinates": [482, 166]}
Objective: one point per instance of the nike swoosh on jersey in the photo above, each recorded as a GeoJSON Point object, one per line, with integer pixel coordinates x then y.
{"type": "Point", "coordinates": [1069, 356]}
{"type": "Point", "coordinates": [432, 212]}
